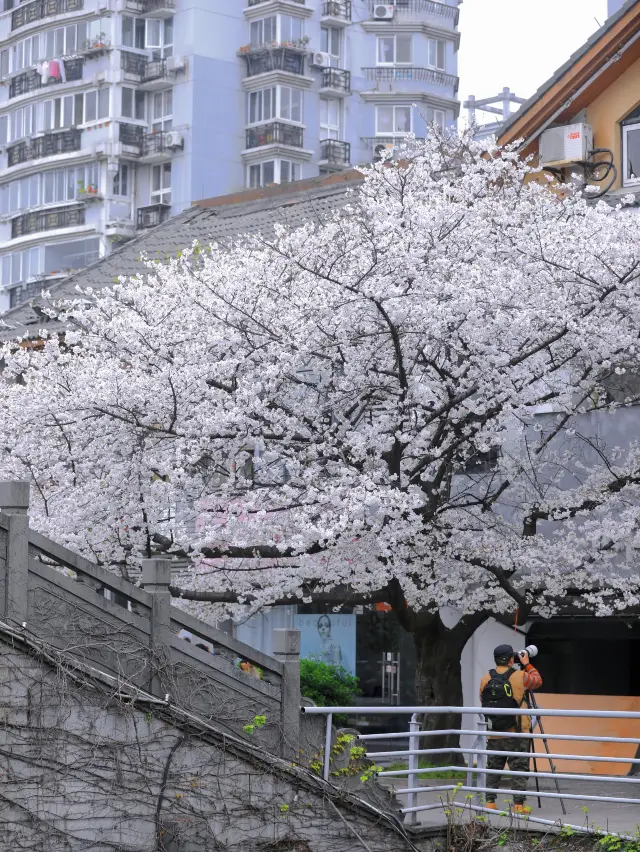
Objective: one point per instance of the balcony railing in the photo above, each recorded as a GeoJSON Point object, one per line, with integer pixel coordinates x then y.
{"type": "Point", "coordinates": [335, 152]}
{"type": "Point", "coordinates": [155, 69]}
{"type": "Point", "coordinates": [275, 133]}
{"type": "Point", "coordinates": [154, 214]}
{"type": "Point", "coordinates": [132, 134]}
{"type": "Point", "coordinates": [262, 60]}
{"type": "Point", "coordinates": [258, 2]}
{"type": "Point", "coordinates": [31, 80]}
{"type": "Point", "coordinates": [336, 79]}
{"type": "Point", "coordinates": [62, 142]}
{"type": "Point", "coordinates": [151, 6]}
{"type": "Point", "coordinates": [422, 75]}
{"type": "Point", "coordinates": [154, 143]}
{"type": "Point", "coordinates": [30, 12]}
{"type": "Point", "coordinates": [46, 220]}
{"type": "Point", "coordinates": [337, 9]}
{"type": "Point", "coordinates": [433, 7]}
{"type": "Point", "coordinates": [133, 63]}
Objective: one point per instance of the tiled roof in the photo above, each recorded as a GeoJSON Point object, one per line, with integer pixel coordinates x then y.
{"type": "Point", "coordinates": [209, 221]}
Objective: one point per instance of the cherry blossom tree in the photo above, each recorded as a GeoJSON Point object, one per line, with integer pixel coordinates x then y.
{"type": "Point", "coordinates": [404, 403]}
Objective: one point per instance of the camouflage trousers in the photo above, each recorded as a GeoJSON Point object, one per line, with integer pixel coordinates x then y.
{"type": "Point", "coordinates": [516, 764]}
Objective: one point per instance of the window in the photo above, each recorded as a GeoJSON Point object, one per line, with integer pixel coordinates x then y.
{"type": "Point", "coordinates": [161, 111]}
{"type": "Point", "coordinates": [264, 31]}
{"type": "Point", "coordinates": [159, 37]}
{"type": "Point", "coordinates": [121, 181]}
{"type": "Point", "coordinates": [21, 266]}
{"type": "Point", "coordinates": [290, 103]}
{"type": "Point", "coordinates": [395, 50]}
{"type": "Point", "coordinates": [63, 185]}
{"type": "Point", "coordinates": [290, 28]}
{"type": "Point", "coordinates": [272, 171]}
{"type": "Point", "coordinates": [4, 129]}
{"type": "Point", "coordinates": [393, 120]}
{"type": "Point", "coordinates": [329, 118]}
{"type": "Point", "coordinates": [96, 105]}
{"type": "Point", "coordinates": [132, 103]}
{"type": "Point", "coordinates": [133, 32]}
{"type": "Point", "coordinates": [22, 122]}
{"type": "Point", "coordinates": [330, 43]}
{"type": "Point", "coordinates": [275, 102]}
{"type": "Point", "coordinates": [282, 29]}
{"type": "Point", "coordinates": [631, 148]}
{"type": "Point", "coordinates": [262, 105]}
{"type": "Point", "coordinates": [161, 184]}
{"type": "Point", "coordinates": [436, 54]}
{"type": "Point", "coordinates": [435, 116]}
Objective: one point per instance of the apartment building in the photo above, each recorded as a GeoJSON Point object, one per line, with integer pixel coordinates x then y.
{"type": "Point", "coordinates": [117, 114]}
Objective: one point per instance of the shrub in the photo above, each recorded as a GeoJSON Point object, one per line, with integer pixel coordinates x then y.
{"type": "Point", "coordinates": [328, 685]}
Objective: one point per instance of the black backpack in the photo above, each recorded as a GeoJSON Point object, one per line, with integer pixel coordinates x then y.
{"type": "Point", "coordinates": [499, 693]}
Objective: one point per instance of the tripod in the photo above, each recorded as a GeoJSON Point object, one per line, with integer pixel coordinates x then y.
{"type": "Point", "coordinates": [532, 704]}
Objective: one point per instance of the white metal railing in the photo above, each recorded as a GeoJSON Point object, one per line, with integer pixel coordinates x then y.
{"type": "Point", "coordinates": [476, 761]}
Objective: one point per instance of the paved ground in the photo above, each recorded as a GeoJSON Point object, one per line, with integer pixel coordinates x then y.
{"type": "Point", "coordinates": [611, 816]}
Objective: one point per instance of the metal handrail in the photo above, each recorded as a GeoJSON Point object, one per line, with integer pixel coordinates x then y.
{"type": "Point", "coordinates": [480, 750]}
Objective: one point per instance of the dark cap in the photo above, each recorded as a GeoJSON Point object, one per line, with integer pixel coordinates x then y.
{"type": "Point", "coordinates": [503, 651]}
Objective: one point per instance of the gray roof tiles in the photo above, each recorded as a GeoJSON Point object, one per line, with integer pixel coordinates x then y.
{"type": "Point", "coordinates": [215, 222]}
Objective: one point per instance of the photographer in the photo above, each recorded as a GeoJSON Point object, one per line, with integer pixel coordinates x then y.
{"type": "Point", "coordinates": [506, 687]}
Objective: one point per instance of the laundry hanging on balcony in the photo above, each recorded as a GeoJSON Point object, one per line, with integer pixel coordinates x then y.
{"type": "Point", "coordinates": [51, 70]}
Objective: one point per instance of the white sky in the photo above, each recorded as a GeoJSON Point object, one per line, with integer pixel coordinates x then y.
{"type": "Point", "coordinates": [519, 44]}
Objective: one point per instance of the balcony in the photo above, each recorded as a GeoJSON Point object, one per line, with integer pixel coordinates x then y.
{"type": "Point", "coordinates": [335, 153]}
{"type": "Point", "coordinates": [31, 12]}
{"type": "Point", "coordinates": [413, 7]}
{"type": "Point", "coordinates": [335, 82]}
{"type": "Point", "coordinates": [154, 74]}
{"type": "Point", "coordinates": [159, 8]}
{"type": "Point", "coordinates": [339, 11]}
{"type": "Point", "coordinates": [61, 142]}
{"type": "Point", "coordinates": [153, 215]}
{"type": "Point", "coordinates": [133, 63]}
{"type": "Point", "coordinates": [46, 220]}
{"type": "Point", "coordinates": [275, 133]}
{"type": "Point", "coordinates": [155, 148]}
{"type": "Point", "coordinates": [420, 75]}
{"type": "Point", "coordinates": [258, 2]}
{"type": "Point", "coordinates": [131, 135]}
{"type": "Point", "coordinates": [31, 80]}
{"type": "Point", "coordinates": [264, 59]}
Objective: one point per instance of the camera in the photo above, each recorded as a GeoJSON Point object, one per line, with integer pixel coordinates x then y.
{"type": "Point", "coordinates": [531, 650]}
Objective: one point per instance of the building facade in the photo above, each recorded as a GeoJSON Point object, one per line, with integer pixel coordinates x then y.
{"type": "Point", "coordinates": [116, 114]}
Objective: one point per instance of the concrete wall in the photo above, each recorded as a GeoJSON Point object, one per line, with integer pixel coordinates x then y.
{"type": "Point", "coordinates": [88, 770]}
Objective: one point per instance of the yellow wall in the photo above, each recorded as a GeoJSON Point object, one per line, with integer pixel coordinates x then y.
{"type": "Point", "coordinates": [589, 727]}
{"type": "Point", "coordinates": [609, 108]}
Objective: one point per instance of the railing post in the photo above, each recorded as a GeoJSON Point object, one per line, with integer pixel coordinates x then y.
{"type": "Point", "coordinates": [481, 760]}
{"type": "Point", "coordinates": [156, 579]}
{"type": "Point", "coordinates": [326, 766]}
{"type": "Point", "coordinates": [286, 648]}
{"type": "Point", "coordinates": [14, 502]}
{"type": "Point", "coordinates": [412, 778]}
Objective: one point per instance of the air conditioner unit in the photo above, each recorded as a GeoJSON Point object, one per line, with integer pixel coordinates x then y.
{"type": "Point", "coordinates": [176, 63]}
{"type": "Point", "coordinates": [173, 139]}
{"type": "Point", "coordinates": [321, 60]}
{"type": "Point", "coordinates": [384, 11]}
{"type": "Point", "coordinates": [99, 78]}
{"type": "Point", "coordinates": [560, 146]}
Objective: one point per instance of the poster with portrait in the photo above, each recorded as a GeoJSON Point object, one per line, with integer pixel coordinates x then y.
{"type": "Point", "coordinates": [329, 638]}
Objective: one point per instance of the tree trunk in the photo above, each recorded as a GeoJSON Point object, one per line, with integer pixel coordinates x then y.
{"type": "Point", "coordinates": [439, 675]}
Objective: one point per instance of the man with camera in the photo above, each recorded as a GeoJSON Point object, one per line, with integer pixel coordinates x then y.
{"type": "Point", "coordinates": [506, 686]}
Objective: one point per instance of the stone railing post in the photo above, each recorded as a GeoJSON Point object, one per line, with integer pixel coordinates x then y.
{"type": "Point", "coordinates": [156, 578]}
{"type": "Point", "coordinates": [286, 648]}
{"type": "Point", "coordinates": [14, 502]}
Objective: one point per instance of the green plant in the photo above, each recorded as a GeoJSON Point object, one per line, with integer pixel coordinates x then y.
{"type": "Point", "coordinates": [256, 722]}
{"type": "Point", "coordinates": [328, 686]}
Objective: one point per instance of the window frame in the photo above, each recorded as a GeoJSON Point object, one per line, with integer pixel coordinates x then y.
{"type": "Point", "coordinates": [626, 129]}
{"type": "Point", "coordinates": [293, 165]}
{"type": "Point", "coordinates": [278, 30]}
{"type": "Point", "coordinates": [394, 62]}
{"type": "Point", "coordinates": [437, 42]}
{"type": "Point", "coordinates": [326, 127]}
{"type": "Point", "coordinates": [395, 133]}
{"type": "Point", "coordinates": [162, 195]}
{"type": "Point", "coordinates": [277, 101]}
